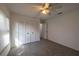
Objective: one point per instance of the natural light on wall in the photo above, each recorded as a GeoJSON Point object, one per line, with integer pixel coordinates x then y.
{"type": "Point", "coordinates": [17, 42]}
{"type": "Point", "coordinates": [6, 38]}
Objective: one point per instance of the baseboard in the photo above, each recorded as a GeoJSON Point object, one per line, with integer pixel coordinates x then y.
{"type": "Point", "coordinates": [63, 45]}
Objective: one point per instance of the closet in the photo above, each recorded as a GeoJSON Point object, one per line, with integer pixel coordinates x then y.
{"type": "Point", "coordinates": [26, 31]}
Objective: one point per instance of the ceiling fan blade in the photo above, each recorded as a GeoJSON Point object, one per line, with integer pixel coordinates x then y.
{"type": "Point", "coordinates": [36, 7]}
{"type": "Point", "coordinates": [57, 6]}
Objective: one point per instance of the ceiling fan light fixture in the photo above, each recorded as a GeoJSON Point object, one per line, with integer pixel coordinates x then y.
{"type": "Point", "coordinates": [45, 11]}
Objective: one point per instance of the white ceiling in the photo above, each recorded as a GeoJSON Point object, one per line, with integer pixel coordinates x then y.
{"type": "Point", "coordinates": [30, 10]}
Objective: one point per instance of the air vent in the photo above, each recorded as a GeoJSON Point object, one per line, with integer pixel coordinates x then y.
{"type": "Point", "coordinates": [60, 13]}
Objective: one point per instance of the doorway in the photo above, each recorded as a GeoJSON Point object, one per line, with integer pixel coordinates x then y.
{"type": "Point", "coordinates": [43, 29]}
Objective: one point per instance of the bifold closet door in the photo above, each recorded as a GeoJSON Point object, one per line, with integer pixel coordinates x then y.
{"type": "Point", "coordinates": [27, 32]}
{"type": "Point", "coordinates": [32, 32]}
{"type": "Point", "coordinates": [21, 33]}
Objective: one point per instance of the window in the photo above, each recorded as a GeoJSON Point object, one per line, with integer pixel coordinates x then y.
{"type": "Point", "coordinates": [4, 30]}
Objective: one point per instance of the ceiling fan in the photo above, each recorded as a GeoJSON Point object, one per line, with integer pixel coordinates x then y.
{"type": "Point", "coordinates": [47, 8]}
{"type": "Point", "coordinates": [43, 8]}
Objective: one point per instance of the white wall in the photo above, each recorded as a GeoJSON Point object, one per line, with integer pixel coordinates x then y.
{"type": "Point", "coordinates": [4, 40]}
{"type": "Point", "coordinates": [64, 29]}
{"type": "Point", "coordinates": [41, 30]}
{"type": "Point", "coordinates": [20, 18]}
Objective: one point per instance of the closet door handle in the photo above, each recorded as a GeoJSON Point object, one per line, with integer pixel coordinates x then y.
{"type": "Point", "coordinates": [32, 32]}
{"type": "Point", "coordinates": [27, 33]}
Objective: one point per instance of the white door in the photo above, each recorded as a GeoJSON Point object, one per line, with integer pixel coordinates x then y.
{"type": "Point", "coordinates": [21, 33]}
{"type": "Point", "coordinates": [32, 32]}
{"type": "Point", "coordinates": [27, 31]}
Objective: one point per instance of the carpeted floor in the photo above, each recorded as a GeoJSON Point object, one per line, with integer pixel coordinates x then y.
{"type": "Point", "coordinates": [43, 48]}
